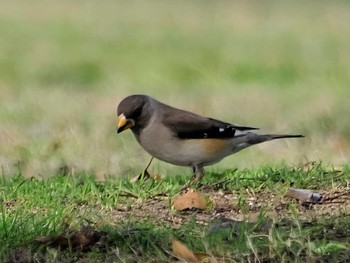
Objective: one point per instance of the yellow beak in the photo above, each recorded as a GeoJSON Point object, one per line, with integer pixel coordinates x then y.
{"type": "Point", "coordinates": [123, 123]}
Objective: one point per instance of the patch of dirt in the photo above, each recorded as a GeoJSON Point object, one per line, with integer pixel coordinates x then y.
{"type": "Point", "coordinates": [229, 205]}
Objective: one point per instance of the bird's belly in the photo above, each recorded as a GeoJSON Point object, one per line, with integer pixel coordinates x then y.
{"type": "Point", "coordinates": [186, 152]}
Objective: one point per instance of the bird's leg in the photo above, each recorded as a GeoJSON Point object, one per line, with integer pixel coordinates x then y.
{"type": "Point", "coordinates": [194, 172]}
{"type": "Point", "coordinates": [149, 164]}
{"type": "Point", "coordinates": [198, 173]}
{"type": "Point", "coordinates": [144, 174]}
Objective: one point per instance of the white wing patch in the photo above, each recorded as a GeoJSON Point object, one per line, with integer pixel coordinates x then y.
{"type": "Point", "coordinates": [240, 132]}
{"type": "Point", "coordinates": [221, 129]}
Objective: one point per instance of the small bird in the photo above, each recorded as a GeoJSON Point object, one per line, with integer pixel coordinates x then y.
{"type": "Point", "coordinates": [184, 138]}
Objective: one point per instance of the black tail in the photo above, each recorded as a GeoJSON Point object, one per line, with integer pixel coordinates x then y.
{"type": "Point", "coordinates": [281, 136]}
{"type": "Point", "coordinates": [254, 138]}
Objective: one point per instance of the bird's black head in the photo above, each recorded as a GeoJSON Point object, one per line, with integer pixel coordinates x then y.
{"type": "Point", "coordinates": [132, 113]}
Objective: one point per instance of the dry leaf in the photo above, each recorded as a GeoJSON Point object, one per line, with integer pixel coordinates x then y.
{"type": "Point", "coordinates": [304, 195]}
{"type": "Point", "coordinates": [77, 239]}
{"type": "Point", "coordinates": [191, 199]}
{"type": "Point", "coordinates": [53, 241]}
{"type": "Point", "coordinates": [182, 252]}
{"type": "Point", "coordinates": [202, 256]}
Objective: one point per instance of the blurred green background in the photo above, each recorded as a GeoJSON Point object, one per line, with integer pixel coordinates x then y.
{"type": "Point", "coordinates": [283, 66]}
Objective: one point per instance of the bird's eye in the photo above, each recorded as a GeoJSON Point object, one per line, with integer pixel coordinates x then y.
{"type": "Point", "coordinates": [136, 113]}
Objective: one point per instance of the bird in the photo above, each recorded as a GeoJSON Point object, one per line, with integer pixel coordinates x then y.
{"type": "Point", "coordinates": [182, 137]}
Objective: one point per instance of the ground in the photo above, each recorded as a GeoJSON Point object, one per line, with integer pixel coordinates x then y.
{"type": "Point", "coordinates": [247, 215]}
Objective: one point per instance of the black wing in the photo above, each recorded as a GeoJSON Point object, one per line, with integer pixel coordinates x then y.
{"type": "Point", "coordinates": [187, 125]}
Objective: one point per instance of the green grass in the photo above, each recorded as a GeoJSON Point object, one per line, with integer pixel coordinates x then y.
{"type": "Point", "coordinates": [31, 208]}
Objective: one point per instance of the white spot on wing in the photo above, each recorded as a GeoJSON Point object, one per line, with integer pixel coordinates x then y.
{"type": "Point", "coordinates": [221, 129]}
{"type": "Point", "coordinates": [240, 132]}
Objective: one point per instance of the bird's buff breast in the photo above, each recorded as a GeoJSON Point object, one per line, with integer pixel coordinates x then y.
{"type": "Point", "coordinates": [185, 152]}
